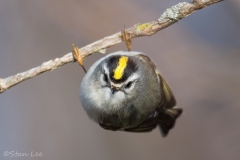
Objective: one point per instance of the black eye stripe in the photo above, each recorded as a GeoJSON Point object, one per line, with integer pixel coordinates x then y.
{"type": "Point", "coordinates": [105, 77]}
{"type": "Point", "coordinates": [129, 84]}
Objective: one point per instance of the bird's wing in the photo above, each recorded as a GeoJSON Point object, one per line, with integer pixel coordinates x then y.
{"type": "Point", "coordinates": [168, 99]}
{"type": "Point", "coordinates": [145, 126]}
{"type": "Point", "coordinates": [165, 116]}
{"type": "Point", "coordinates": [108, 126]}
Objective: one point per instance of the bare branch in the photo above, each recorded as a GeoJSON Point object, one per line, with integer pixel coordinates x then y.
{"type": "Point", "coordinates": [170, 16]}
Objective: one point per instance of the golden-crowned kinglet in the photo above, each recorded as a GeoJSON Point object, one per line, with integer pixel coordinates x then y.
{"type": "Point", "coordinates": [124, 91]}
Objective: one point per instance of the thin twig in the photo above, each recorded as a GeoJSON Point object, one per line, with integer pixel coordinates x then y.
{"type": "Point", "coordinates": [170, 16]}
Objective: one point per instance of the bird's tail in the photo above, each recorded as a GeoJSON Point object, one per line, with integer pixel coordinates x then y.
{"type": "Point", "coordinates": [167, 118]}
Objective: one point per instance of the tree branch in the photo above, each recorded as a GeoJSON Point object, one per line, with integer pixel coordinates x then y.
{"type": "Point", "coordinates": [169, 17]}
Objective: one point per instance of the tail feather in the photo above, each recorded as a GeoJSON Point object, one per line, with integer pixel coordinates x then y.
{"type": "Point", "coordinates": [167, 118]}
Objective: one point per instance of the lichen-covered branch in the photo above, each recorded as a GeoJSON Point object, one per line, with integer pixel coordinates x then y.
{"type": "Point", "coordinates": [170, 16]}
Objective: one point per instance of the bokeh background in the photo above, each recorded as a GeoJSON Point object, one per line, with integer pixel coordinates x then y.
{"type": "Point", "coordinates": [199, 57]}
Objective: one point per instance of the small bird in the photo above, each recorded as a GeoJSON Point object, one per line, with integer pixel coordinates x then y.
{"type": "Point", "coordinates": [124, 91]}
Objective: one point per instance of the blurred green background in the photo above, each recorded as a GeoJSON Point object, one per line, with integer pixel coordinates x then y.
{"type": "Point", "coordinates": [199, 57]}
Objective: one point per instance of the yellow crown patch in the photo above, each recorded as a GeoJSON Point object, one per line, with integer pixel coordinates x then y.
{"type": "Point", "coordinates": [119, 71]}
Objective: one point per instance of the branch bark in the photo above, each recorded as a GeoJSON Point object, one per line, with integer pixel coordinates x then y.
{"type": "Point", "coordinates": [169, 17]}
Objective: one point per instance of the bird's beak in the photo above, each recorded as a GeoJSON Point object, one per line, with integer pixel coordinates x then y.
{"type": "Point", "coordinates": [114, 89]}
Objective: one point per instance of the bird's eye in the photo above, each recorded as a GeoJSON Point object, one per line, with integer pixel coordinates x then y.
{"type": "Point", "coordinates": [129, 84]}
{"type": "Point", "coordinates": [105, 78]}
